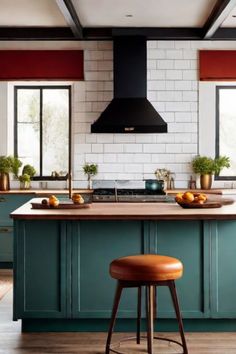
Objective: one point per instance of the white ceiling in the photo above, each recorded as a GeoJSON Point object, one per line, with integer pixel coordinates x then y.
{"type": "Point", "coordinates": [43, 13]}
{"type": "Point", "coordinates": [230, 21]}
{"type": "Point", "coordinates": [146, 13]}
{"type": "Point", "coordinates": [112, 13]}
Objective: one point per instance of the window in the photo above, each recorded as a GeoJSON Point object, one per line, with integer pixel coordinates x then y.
{"type": "Point", "coordinates": [42, 129]}
{"type": "Point", "coordinates": [226, 128]}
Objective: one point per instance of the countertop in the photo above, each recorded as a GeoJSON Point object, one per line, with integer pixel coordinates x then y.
{"type": "Point", "coordinates": [65, 191]}
{"type": "Point", "coordinates": [126, 211]}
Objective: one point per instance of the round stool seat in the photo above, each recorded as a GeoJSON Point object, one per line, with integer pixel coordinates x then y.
{"type": "Point", "coordinates": [146, 267]}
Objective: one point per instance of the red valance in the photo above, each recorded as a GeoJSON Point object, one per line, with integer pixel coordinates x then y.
{"type": "Point", "coordinates": [41, 65]}
{"type": "Point", "coordinates": [216, 65]}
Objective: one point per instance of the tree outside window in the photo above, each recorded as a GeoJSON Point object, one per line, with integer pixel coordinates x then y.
{"type": "Point", "coordinates": [42, 129]}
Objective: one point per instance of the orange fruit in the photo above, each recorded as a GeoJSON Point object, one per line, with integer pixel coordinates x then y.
{"type": "Point", "coordinates": [179, 197]}
{"type": "Point", "coordinates": [188, 196]}
{"type": "Point", "coordinates": [53, 201]}
{"type": "Point", "coordinates": [202, 197]}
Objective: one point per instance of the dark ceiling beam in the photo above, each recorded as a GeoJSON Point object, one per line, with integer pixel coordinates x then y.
{"type": "Point", "coordinates": [151, 33]}
{"type": "Point", "coordinates": [225, 34]}
{"type": "Point", "coordinates": [100, 34]}
{"type": "Point", "coordinates": [219, 13]}
{"type": "Point", "coordinates": [68, 11]}
{"type": "Point", "coordinates": [36, 33]}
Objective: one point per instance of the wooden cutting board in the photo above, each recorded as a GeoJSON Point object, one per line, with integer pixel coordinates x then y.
{"type": "Point", "coordinates": [216, 203]}
{"type": "Point", "coordinates": [64, 205]}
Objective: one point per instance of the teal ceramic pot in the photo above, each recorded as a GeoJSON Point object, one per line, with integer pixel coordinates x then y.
{"type": "Point", "coordinates": [154, 185]}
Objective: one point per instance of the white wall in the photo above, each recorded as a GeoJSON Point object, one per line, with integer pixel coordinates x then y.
{"type": "Point", "coordinates": [173, 90]}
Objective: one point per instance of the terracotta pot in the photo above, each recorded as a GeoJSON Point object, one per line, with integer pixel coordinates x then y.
{"type": "Point", "coordinates": [4, 181]}
{"type": "Point", "coordinates": [205, 181]}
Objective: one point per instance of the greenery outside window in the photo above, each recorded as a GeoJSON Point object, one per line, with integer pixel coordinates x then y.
{"type": "Point", "coordinates": [42, 129]}
{"type": "Point", "coordinates": [226, 128]}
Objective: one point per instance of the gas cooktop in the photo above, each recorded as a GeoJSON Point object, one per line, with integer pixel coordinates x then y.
{"type": "Point", "coordinates": [129, 195]}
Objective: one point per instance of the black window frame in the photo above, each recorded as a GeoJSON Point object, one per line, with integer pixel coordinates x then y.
{"type": "Point", "coordinates": [40, 177]}
{"type": "Point", "coordinates": [217, 130]}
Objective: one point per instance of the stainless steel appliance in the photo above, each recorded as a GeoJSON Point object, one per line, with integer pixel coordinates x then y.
{"type": "Point", "coordinates": [130, 195]}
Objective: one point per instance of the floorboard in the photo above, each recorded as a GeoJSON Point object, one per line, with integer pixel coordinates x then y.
{"type": "Point", "coordinates": [12, 341]}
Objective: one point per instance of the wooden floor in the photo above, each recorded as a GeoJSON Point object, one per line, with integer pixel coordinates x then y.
{"type": "Point", "coordinates": [12, 341]}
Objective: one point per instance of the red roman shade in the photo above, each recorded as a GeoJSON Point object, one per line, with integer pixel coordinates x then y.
{"type": "Point", "coordinates": [41, 65]}
{"type": "Point", "coordinates": [216, 65]}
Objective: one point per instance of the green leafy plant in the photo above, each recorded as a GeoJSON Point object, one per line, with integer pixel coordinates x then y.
{"type": "Point", "coordinates": [5, 164]}
{"type": "Point", "coordinates": [90, 170]}
{"type": "Point", "coordinates": [24, 178]}
{"type": "Point", "coordinates": [220, 163]}
{"type": "Point", "coordinates": [29, 170]}
{"type": "Point", "coordinates": [15, 165]}
{"type": "Point", "coordinates": [205, 165]}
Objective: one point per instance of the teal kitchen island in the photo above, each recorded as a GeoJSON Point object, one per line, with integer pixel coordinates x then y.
{"type": "Point", "coordinates": [61, 264]}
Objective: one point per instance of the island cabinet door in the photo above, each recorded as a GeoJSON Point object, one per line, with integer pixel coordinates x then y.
{"type": "Point", "coordinates": [40, 269]}
{"type": "Point", "coordinates": [95, 244]}
{"type": "Point", "coordinates": [223, 269]}
{"type": "Point", "coordinates": [186, 241]}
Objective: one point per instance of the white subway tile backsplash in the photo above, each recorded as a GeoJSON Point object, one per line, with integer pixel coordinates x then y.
{"type": "Point", "coordinates": [97, 148]}
{"type": "Point", "coordinates": [174, 54]}
{"type": "Point", "coordinates": [133, 148]}
{"type": "Point", "coordinates": [111, 148]}
{"type": "Point", "coordinates": [182, 44]}
{"type": "Point", "coordinates": [191, 96]}
{"type": "Point", "coordinates": [105, 138]}
{"type": "Point", "coordinates": [110, 158]}
{"type": "Point", "coordinates": [169, 96]}
{"type": "Point", "coordinates": [174, 74]}
{"type": "Point", "coordinates": [183, 85]}
{"type": "Point", "coordinates": [157, 74]}
{"type": "Point", "coordinates": [178, 106]}
{"type": "Point", "coordinates": [190, 75]}
{"type": "Point", "coordinates": [124, 138]}
{"type": "Point", "coordinates": [165, 64]}
{"type": "Point", "coordinates": [156, 54]}
{"type": "Point", "coordinates": [154, 148]}
{"type": "Point", "coordinates": [173, 148]}
{"type": "Point", "coordinates": [182, 64]}
{"type": "Point", "coordinates": [165, 44]}
{"type": "Point", "coordinates": [172, 88]}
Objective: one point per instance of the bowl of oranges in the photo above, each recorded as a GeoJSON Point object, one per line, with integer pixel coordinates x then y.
{"type": "Point", "coordinates": [191, 200]}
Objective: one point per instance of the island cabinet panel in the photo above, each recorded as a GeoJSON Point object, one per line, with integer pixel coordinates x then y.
{"type": "Point", "coordinates": [95, 245]}
{"type": "Point", "coordinates": [223, 265]}
{"type": "Point", "coordinates": [40, 276]}
{"type": "Point", "coordinates": [186, 241]}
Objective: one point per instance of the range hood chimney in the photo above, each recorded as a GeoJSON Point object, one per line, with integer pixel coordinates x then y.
{"type": "Point", "coordinates": [130, 111]}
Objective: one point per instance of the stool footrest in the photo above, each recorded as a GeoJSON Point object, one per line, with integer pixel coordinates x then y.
{"type": "Point", "coordinates": [112, 346]}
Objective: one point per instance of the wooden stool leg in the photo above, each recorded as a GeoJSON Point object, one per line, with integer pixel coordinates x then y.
{"type": "Point", "coordinates": [113, 317]}
{"type": "Point", "coordinates": [150, 319]}
{"type": "Point", "coordinates": [178, 314]}
{"type": "Point", "coordinates": [139, 314]}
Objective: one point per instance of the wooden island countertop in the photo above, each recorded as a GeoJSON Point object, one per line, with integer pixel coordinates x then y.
{"type": "Point", "coordinates": [126, 211]}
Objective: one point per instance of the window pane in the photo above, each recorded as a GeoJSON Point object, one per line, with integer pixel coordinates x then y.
{"type": "Point", "coordinates": [227, 127]}
{"type": "Point", "coordinates": [55, 131]}
{"type": "Point", "coordinates": [28, 127]}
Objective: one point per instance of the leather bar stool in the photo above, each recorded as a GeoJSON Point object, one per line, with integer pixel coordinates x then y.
{"type": "Point", "coordinates": [149, 270]}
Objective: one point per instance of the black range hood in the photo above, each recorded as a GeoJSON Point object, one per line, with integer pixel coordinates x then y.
{"type": "Point", "coordinates": [130, 111]}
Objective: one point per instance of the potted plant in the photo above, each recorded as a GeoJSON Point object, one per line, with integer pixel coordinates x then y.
{"type": "Point", "coordinates": [27, 172]}
{"type": "Point", "coordinates": [5, 169]}
{"type": "Point", "coordinates": [206, 167]}
{"type": "Point", "coordinates": [24, 181]}
{"type": "Point", "coordinates": [90, 170]}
